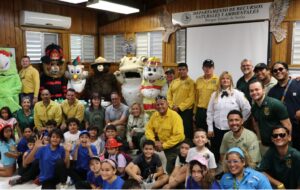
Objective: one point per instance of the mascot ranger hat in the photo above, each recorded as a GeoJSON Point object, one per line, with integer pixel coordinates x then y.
{"type": "Point", "coordinates": [100, 60]}
{"type": "Point", "coordinates": [154, 61]}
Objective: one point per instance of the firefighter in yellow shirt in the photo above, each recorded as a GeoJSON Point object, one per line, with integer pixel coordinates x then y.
{"type": "Point", "coordinates": [181, 97]}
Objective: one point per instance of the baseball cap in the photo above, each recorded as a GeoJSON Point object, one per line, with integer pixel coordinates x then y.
{"type": "Point", "coordinates": [260, 66]}
{"type": "Point", "coordinates": [112, 143]}
{"type": "Point", "coordinates": [202, 160]}
{"type": "Point", "coordinates": [169, 71]}
{"type": "Point", "coordinates": [208, 63]}
{"type": "Point", "coordinates": [84, 132]}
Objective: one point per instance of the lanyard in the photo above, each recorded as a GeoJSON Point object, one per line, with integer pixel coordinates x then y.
{"type": "Point", "coordinates": [285, 90]}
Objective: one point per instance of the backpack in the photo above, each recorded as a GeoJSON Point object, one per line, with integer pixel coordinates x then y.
{"type": "Point", "coordinates": [126, 156]}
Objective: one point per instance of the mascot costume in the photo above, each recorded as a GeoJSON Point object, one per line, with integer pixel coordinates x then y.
{"type": "Point", "coordinates": [153, 84]}
{"type": "Point", "coordinates": [10, 81]}
{"type": "Point", "coordinates": [54, 69]}
{"type": "Point", "coordinates": [76, 76]}
{"type": "Point", "coordinates": [102, 81]}
{"type": "Point", "coordinates": [130, 77]}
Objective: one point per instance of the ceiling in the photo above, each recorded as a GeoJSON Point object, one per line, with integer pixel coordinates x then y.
{"type": "Point", "coordinates": [107, 17]}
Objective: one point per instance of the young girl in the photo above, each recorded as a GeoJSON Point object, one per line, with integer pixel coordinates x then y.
{"type": "Point", "coordinates": [135, 126]}
{"type": "Point", "coordinates": [52, 159]}
{"type": "Point", "coordinates": [112, 147]}
{"type": "Point", "coordinates": [95, 139]}
{"type": "Point", "coordinates": [108, 174]}
{"type": "Point", "coordinates": [8, 151]}
{"type": "Point", "coordinates": [199, 177]}
{"type": "Point", "coordinates": [200, 140]}
{"type": "Point", "coordinates": [72, 135]}
{"type": "Point", "coordinates": [6, 118]}
{"type": "Point", "coordinates": [178, 175]}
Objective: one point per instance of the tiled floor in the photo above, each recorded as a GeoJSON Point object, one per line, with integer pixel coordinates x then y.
{"type": "Point", "coordinates": [4, 185]}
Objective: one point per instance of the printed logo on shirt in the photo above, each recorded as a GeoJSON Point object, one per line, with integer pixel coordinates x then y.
{"type": "Point", "coordinates": [288, 163]}
{"type": "Point", "coordinates": [266, 111]}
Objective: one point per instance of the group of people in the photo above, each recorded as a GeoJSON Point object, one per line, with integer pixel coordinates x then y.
{"type": "Point", "coordinates": [203, 135]}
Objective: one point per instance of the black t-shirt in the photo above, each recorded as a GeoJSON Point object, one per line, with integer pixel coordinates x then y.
{"type": "Point", "coordinates": [145, 167]}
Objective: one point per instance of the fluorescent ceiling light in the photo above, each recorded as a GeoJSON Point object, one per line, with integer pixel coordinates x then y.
{"type": "Point", "coordinates": [74, 1]}
{"type": "Point", "coordinates": [112, 7]}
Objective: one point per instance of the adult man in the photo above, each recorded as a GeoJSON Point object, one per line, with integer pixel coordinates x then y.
{"type": "Point", "coordinates": [205, 86]}
{"type": "Point", "coordinates": [181, 97]}
{"type": "Point", "coordinates": [238, 136]}
{"type": "Point", "coordinates": [46, 110]}
{"type": "Point", "coordinates": [281, 163]}
{"type": "Point", "coordinates": [288, 91]}
{"type": "Point", "coordinates": [30, 78]}
{"type": "Point", "coordinates": [263, 74]}
{"type": "Point", "coordinates": [170, 75]}
{"type": "Point", "coordinates": [71, 107]}
{"type": "Point", "coordinates": [243, 83]}
{"type": "Point", "coordinates": [267, 113]}
{"type": "Point", "coordinates": [117, 114]}
{"type": "Point", "coordinates": [165, 127]}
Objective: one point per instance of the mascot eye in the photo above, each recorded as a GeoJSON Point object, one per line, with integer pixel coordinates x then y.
{"type": "Point", "coordinates": [149, 69]}
{"type": "Point", "coordinates": [72, 71]}
{"type": "Point", "coordinates": [154, 70]}
{"type": "Point", "coordinates": [78, 71]}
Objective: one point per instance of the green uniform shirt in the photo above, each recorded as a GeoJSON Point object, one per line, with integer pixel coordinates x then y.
{"type": "Point", "coordinates": [243, 86]}
{"type": "Point", "coordinates": [286, 170]}
{"type": "Point", "coordinates": [269, 114]}
{"type": "Point", "coordinates": [248, 141]}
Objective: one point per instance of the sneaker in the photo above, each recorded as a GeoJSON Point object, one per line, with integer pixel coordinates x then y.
{"type": "Point", "coordinates": [14, 181]}
{"type": "Point", "coordinates": [62, 186]}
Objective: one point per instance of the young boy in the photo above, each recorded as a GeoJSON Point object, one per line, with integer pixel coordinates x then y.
{"type": "Point", "coordinates": [50, 125]}
{"type": "Point", "coordinates": [72, 135]}
{"type": "Point", "coordinates": [111, 132]}
{"type": "Point", "coordinates": [112, 147]}
{"type": "Point", "coordinates": [94, 179]}
{"type": "Point", "coordinates": [23, 147]}
{"type": "Point", "coordinates": [96, 139]}
{"type": "Point", "coordinates": [81, 154]}
{"type": "Point", "coordinates": [147, 166]}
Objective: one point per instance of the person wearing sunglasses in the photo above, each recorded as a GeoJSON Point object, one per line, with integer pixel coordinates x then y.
{"type": "Point", "coordinates": [263, 74]}
{"type": "Point", "coordinates": [267, 112]}
{"type": "Point", "coordinates": [281, 162]}
{"type": "Point", "coordinates": [239, 172]}
{"type": "Point", "coordinates": [287, 90]}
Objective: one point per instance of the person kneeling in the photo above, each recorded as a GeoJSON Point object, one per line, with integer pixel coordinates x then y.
{"type": "Point", "coordinates": [147, 167]}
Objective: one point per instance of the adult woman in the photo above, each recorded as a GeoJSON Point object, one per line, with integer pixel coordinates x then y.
{"type": "Point", "coordinates": [239, 174]}
{"type": "Point", "coordinates": [25, 115]}
{"type": "Point", "coordinates": [135, 125]}
{"type": "Point", "coordinates": [225, 99]}
{"type": "Point", "coordinates": [94, 114]}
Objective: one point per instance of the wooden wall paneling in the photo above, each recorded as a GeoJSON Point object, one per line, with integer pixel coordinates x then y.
{"type": "Point", "coordinates": [89, 22]}
{"type": "Point", "coordinates": [294, 11]}
{"type": "Point", "coordinates": [279, 50]}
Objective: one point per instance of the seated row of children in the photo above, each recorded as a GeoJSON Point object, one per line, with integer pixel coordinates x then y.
{"type": "Point", "coordinates": [99, 162]}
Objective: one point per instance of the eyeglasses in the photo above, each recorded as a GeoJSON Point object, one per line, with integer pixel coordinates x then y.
{"type": "Point", "coordinates": [279, 69]}
{"type": "Point", "coordinates": [281, 135]}
{"type": "Point", "coordinates": [159, 97]}
{"type": "Point", "coordinates": [233, 161]}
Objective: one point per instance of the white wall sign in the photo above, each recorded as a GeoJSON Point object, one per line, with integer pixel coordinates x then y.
{"type": "Point", "coordinates": [222, 15]}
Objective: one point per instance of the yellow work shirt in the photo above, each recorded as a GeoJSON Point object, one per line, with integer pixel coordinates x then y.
{"type": "Point", "coordinates": [168, 128]}
{"type": "Point", "coordinates": [75, 110]}
{"type": "Point", "coordinates": [30, 78]}
{"type": "Point", "coordinates": [181, 93]}
{"type": "Point", "coordinates": [42, 114]}
{"type": "Point", "coordinates": [203, 91]}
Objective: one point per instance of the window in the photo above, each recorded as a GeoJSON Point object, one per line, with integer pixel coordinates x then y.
{"type": "Point", "coordinates": [296, 44]}
{"type": "Point", "coordinates": [149, 44]}
{"type": "Point", "coordinates": [113, 50]}
{"type": "Point", "coordinates": [36, 43]}
{"type": "Point", "coordinates": [180, 46]}
{"type": "Point", "coordinates": [83, 46]}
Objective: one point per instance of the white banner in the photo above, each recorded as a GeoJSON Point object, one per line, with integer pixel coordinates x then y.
{"type": "Point", "coordinates": [221, 15]}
